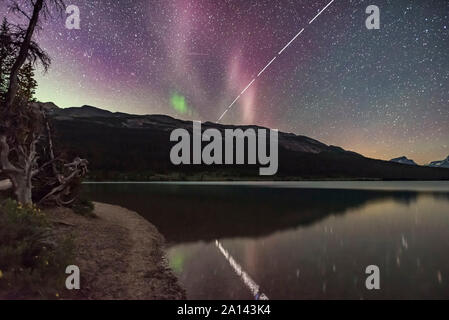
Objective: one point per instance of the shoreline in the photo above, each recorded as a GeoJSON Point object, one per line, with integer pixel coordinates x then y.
{"type": "Point", "coordinates": [416, 186]}
{"type": "Point", "coordinates": [120, 255]}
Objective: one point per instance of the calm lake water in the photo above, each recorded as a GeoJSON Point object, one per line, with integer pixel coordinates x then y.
{"type": "Point", "coordinates": [301, 240]}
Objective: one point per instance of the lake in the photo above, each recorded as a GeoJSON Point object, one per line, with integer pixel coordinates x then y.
{"type": "Point", "coordinates": [297, 240]}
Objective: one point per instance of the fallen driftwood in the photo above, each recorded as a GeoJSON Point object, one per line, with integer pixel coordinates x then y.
{"type": "Point", "coordinates": [5, 185]}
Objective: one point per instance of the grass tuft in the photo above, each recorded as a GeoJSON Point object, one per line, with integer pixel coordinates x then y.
{"type": "Point", "coordinates": [32, 260]}
{"type": "Point", "coordinates": [84, 207]}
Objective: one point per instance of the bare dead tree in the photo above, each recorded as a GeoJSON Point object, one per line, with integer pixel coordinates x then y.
{"type": "Point", "coordinates": [18, 152]}
{"type": "Point", "coordinates": [62, 193]}
{"type": "Point", "coordinates": [20, 177]}
{"type": "Point", "coordinates": [23, 126]}
{"type": "Point", "coordinates": [51, 149]}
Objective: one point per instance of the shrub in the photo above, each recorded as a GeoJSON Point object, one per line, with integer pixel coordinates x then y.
{"type": "Point", "coordinates": [32, 260]}
{"type": "Point", "coordinates": [83, 207]}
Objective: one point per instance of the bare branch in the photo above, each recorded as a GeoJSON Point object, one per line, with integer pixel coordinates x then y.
{"type": "Point", "coordinates": [42, 167]}
{"type": "Point", "coordinates": [15, 8]}
{"type": "Point", "coordinates": [6, 165]}
{"type": "Point", "coordinates": [77, 169]}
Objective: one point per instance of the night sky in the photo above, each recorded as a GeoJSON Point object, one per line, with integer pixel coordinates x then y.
{"type": "Point", "coordinates": [383, 93]}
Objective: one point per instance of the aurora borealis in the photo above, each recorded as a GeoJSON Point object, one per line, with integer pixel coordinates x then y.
{"type": "Point", "coordinates": [383, 93]}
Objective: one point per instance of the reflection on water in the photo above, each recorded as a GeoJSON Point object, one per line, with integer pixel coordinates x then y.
{"type": "Point", "coordinates": [298, 242]}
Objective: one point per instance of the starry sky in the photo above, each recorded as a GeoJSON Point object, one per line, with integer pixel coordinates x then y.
{"type": "Point", "coordinates": [383, 93]}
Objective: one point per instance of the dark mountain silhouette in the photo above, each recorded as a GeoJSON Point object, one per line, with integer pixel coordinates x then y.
{"type": "Point", "coordinates": [122, 146]}
{"type": "Point", "coordinates": [404, 160]}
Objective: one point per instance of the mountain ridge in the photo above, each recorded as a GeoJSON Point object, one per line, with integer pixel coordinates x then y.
{"type": "Point", "coordinates": [440, 164]}
{"type": "Point", "coordinates": [143, 121]}
{"type": "Point", "coordinates": [122, 146]}
{"type": "Point", "coordinates": [404, 160]}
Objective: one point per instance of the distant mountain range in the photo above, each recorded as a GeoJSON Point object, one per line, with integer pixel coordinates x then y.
{"type": "Point", "coordinates": [440, 164]}
{"type": "Point", "coordinates": [404, 160]}
{"type": "Point", "coordinates": [122, 146]}
{"type": "Point", "coordinates": [435, 164]}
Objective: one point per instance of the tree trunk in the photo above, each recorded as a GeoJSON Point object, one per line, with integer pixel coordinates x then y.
{"type": "Point", "coordinates": [23, 190]}
{"type": "Point", "coordinates": [22, 174]}
{"type": "Point", "coordinates": [23, 54]}
{"type": "Point", "coordinates": [50, 143]}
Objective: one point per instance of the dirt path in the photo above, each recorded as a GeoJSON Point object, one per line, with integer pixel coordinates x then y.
{"type": "Point", "coordinates": [120, 255]}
